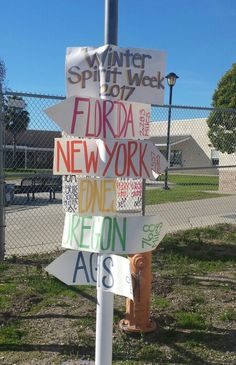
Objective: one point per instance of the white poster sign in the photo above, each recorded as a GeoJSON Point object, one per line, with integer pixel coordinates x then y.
{"type": "Point", "coordinates": [95, 118]}
{"type": "Point", "coordinates": [111, 158]}
{"type": "Point", "coordinates": [112, 72]}
{"type": "Point", "coordinates": [117, 235]}
{"type": "Point", "coordinates": [111, 273]}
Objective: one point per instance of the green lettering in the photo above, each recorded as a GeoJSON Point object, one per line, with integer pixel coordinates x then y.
{"type": "Point", "coordinates": [122, 238]}
{"type": "Point", "coordinates": [106, 233]}
{"type": "Point", "coordinates": [95, 236]}
{"type": "Point", "coordinates": [74, 223]}
{"type": "Point", "coordinates": [83, 228]}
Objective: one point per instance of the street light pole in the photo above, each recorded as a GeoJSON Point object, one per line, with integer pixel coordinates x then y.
{"type": "Point", "coordinates": [171, 79]}
{"type": "Point", "coordinates": [111, 22]}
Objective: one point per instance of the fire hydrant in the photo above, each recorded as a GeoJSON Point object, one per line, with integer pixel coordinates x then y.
{"type": "Point", "coordinates": [137, 318]}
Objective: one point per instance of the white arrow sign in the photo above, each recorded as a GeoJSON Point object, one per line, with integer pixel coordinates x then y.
{"type": "Point", "coordinates": [113, 234]}
{"type": "Point", "coordinates": [109, 71]}
{"type": "Point", "coordinates": [95, 118]}
{"type": "Point", "coordinates": [109, 272]}
{"type": "Point", "coordinates": [112, 158]}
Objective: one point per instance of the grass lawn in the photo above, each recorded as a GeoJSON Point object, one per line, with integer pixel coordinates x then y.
{"type": "Point", "coordinates": [186, 187]}
{"type": "Point", "coordinates": [43, 321]}
{"type": "Point", "coordinates": [18, 174]}
{"type": "Point", "coordinates": [211, 181]}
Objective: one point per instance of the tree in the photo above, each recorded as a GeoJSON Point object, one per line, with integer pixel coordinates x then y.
{"type": "Point", "coordinates": [222, 124]}
{"type": "Point", "coordinates": [2, 71]}
{"type": "Point", "coordinates": [16, 116]}
{"type": "Point", "coordinates": [16, 119]}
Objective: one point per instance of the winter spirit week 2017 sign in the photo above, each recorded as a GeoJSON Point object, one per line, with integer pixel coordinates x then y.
{"type": "Point", "coordinates": [112, 72]}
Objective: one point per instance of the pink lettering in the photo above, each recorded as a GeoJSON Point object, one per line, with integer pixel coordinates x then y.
{"type": "Point", "coordinates": [73, 159]}
{"type": "Point", "coordinates": [79, 112]}
{"type": "Point", "coordinates": [111, 154]}
{"type": "Point", "coordinates": [131, 153]}
{"type": "Point", "coordinates": [123, 161]}
{"type": "Point", "coordinates": [141, 160]}
{"type": "Point", "coordinates": [60, 153]}
{"type": "Point", "coordinates": [91, 161]}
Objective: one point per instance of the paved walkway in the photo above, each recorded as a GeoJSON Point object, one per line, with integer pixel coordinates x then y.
{"type": "Point", "coordinates": [38, 228]}
{"type": "Point", "coordinates": [196, 213]}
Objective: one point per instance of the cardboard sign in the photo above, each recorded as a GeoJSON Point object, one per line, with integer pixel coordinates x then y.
{"type": "Point", "coordinates": [109, 272]}
{"type": "Point", "coordinates": [89, 196]}
{"type": "Point", "coordinates": [101, 196]}
{"type": "Point", "coordinates": [96, 118]}
{"type": "Point", "coordinates": [113, 234]}
{"type": "Point", "coordinates": [95, 157]}
{"type": "Point", "coordinates": [129, 195]}
{"type": "Point", "coordinates": [112, 72]}
{"type": "Point", "coordinates": [70, 191]}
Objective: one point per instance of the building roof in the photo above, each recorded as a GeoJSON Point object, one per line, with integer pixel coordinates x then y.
{"type": "Point", "coordinates": [33, 138]}
{"type": "Point", "coordinates": [45, 139]}
{"type": "Point", "coordinates": [162, 140]}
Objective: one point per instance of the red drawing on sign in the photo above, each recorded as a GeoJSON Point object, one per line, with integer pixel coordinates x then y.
{"type": "Point", "coordinates": [107, 119]}
{"type": "Point", "coordinates": [144, 122]}
{"type": "Point", "coordinates": [155, 163]}
{"type": "Point", "coordinates": [78, 156]}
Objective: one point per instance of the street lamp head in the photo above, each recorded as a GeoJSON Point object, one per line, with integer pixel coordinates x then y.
{"type": "Point", "coordinates": [171, 78]}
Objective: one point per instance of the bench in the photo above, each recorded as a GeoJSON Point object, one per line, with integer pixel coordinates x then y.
{"type": "Point", "coordinates": [39, 184]}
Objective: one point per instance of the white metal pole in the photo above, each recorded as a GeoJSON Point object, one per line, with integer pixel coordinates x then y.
{"type": "Point", "coordinates": [105, 300]}
{"type": "Point", "coordinates": [104, 326]}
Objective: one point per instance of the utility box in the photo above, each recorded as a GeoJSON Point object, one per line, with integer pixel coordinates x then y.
{"type": "Point", "coordinates": [9, 193]}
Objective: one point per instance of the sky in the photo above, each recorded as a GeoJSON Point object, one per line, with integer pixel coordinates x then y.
{"type": "Point", "coordinates": [198, 36]}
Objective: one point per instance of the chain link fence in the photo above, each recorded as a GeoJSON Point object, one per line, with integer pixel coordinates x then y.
{"type": "Point", "coordinates": [198, 189]}
{"type": "Point", "coordinates": [201, 185]}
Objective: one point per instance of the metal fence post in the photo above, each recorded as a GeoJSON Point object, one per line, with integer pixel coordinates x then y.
{"type": "Point", "coordinates": [2, 187]}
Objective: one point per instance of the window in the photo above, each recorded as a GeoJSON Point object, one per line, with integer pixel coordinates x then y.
{"type": "Point", "coordinates": [215, 157]}
{"type": "Point", "coordinates": [175, 157]}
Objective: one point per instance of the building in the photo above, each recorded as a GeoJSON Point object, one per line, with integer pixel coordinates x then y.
{"type": "Point", "coordinates": [191, 150]}
{"type": "Point", "coordinates": [190, 146]}
{"type": "Point", "coordinates": [34, 149]}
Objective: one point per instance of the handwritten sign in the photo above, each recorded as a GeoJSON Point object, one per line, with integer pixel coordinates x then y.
{"type": "Point", "coordinates": [113, 234]}
{"type": "Point", "coordinates": [101, 196]}
{"type": "Point", "coordinates": [129, 195]}
{"type": "Point", "coordinates": [112, 72]}
{"type": "Point", "coordinates": [111, 273]}
{"type": "Point", "coordinates": [70, 191]}
{"type": "Point", "coordinates": [112, 158]}
{"type": "Point", "coordinates": [97, 196]}
{"type": "Point", "coordinates": [96, 118]}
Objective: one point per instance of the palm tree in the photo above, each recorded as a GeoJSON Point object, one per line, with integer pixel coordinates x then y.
{"type": "Point", "coordinates": [16, 120]}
